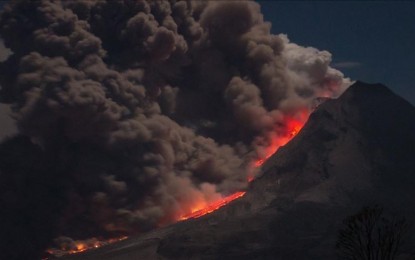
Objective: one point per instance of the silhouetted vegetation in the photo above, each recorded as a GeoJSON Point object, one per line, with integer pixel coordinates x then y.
{"type": "Point", "coordinates": [370, 235]}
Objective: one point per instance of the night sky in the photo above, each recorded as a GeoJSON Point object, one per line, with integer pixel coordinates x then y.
{"type": "Point", "coordinates": [369, 41]}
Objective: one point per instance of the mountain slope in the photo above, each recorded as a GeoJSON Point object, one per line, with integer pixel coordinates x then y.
{"type": "Point", "coordinates": [354, 151]}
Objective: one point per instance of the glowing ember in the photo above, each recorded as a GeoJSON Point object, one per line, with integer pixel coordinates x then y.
{"type": "Point", "coordinates": [196, 213]}
{"type": "Point", "coordinates": [80, 246]}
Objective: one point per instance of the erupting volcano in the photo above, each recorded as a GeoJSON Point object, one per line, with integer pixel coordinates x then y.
{"type": "Point", "coordinates": [294, 203]}
{"type": "Point", "coordinates": [292, 126]}
{"type": "Point", "coordinates": [134, 115]}
{"type": "Point", "coordinates": [174, 123]}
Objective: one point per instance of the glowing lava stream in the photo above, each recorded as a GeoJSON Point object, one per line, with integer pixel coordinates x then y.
{"type": "Point", "coordinates": [213, 206]}
{"type": "Point", "coordinates": [81, 246]}
{"type": "Point", "coordinates": [292, 127]}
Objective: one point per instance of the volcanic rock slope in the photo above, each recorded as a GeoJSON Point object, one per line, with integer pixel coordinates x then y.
{"type": "Point", "coordinates": [354, 151]}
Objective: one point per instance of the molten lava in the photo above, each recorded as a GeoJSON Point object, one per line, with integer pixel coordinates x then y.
{"type": "Point", "coordinates": [201, 211]}
{"type": "Point", "coordinates": [289, 129]}
{"type": "Point", "coordinates": [291, 126]}
{"type": "Point", "coordinates": [80, 246]}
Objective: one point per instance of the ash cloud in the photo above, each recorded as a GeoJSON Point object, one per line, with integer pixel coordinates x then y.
{"type": "Point", "coordinates": [4, 52]}
{"type": "Point", "coordinates": [151, 106]}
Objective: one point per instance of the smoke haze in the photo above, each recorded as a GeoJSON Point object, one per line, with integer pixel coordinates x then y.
{"type": "Point", "coordinates": [139, 109]}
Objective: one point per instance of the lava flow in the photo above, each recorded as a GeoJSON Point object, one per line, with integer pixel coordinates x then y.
{"type": "Point", "coordinates": [196, 213]}
{"type": "Point", "coordinates": [80, 246]}
{"type": "Point", "coordinates": [291, 127]}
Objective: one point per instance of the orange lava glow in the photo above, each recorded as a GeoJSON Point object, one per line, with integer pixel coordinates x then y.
{"type": "Point", "coordinates": [202, 210]}
{"type": "Point", "coordinates": [80, 246]}
{"type": "Point", "coordinates": [284, 133]}
{"type": "Point", "coordinates": [291, 127]}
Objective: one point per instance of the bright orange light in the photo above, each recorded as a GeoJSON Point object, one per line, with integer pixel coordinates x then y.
{"type": "Point", "coordinates": [291, 126]}
{"type": "Point", "coordinates": [81, 246]}
{"type": "Point", "coordinates": [213, 206]}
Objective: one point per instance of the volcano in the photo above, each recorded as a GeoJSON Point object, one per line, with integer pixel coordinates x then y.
{"type": "Point", "coordinates": [354, 151]}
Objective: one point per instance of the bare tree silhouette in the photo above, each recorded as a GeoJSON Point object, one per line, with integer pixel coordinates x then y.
{"type": "Point", "coordinates": [369, 235]}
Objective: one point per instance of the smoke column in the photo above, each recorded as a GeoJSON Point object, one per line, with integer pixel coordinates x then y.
{"type": "Point", "coordinates": [130, 112]}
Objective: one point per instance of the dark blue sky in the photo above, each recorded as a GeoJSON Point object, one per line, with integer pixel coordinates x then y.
{"type": "Point", "coordinates": [370, 41]}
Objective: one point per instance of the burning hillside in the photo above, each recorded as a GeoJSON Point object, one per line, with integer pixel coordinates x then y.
{"type": "Point", "coordinates": [143, 112]}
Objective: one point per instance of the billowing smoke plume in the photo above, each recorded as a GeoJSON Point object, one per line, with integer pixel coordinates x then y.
{"type": "Point", "coordinates": [146, 107]}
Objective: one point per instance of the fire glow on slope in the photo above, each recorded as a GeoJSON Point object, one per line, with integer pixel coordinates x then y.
{"type": "Point", "coordinates": [291, 127]}
{"type": "Point", "coordinates": [203, 210]}
{"type": "Point", "coordinates": [80, 246]}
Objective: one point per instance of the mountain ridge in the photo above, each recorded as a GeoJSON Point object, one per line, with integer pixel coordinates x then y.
{"type": "Point", "coordinates": [354, 151]}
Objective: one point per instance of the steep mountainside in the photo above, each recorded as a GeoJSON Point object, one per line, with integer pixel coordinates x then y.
{"type": "Point", "coordinates": [354, 151]}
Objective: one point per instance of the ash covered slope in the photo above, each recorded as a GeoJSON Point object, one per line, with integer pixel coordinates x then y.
{"type": "Point", "coordinates": [353, 151]}
{"type": "Point", "coordinates": [359, 146]}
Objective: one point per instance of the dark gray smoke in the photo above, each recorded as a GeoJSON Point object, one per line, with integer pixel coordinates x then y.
{"type": "Point", "coordinates": [151, 106]}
